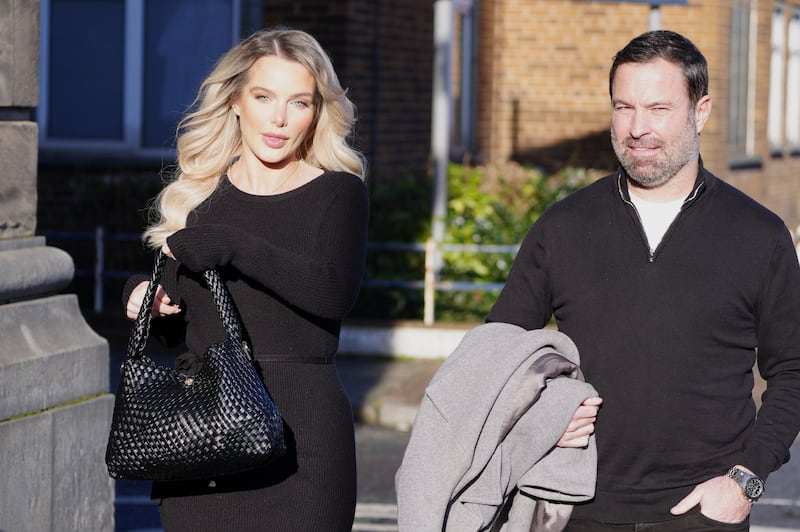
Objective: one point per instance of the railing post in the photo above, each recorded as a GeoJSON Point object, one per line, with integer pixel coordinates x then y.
{"type": "Point", "coordinates": [99, 267]}
{"type": "Point", "coordinates": [429, 292]}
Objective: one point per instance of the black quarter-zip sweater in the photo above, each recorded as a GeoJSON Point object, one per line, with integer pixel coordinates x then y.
{"type": "Point", "coordinates": [669, 339]}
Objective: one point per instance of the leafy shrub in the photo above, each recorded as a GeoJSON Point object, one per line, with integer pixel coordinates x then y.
{"type": "Point", "coordinates": [488, 206]}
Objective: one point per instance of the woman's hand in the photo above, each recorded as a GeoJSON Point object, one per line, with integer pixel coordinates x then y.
{"type": "Point", "coordinates": [582, 424]}
{"type": "Point", "coordinates": [162, 304]}
{"type": "Point", "coordinates": [166, 251]}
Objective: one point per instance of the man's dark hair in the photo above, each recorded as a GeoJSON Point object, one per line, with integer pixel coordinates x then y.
{"type": "Point", "coordinates": [672, 47]}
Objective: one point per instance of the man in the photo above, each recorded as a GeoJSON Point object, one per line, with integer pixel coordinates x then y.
{"type": "Point", "coordinates": [669, 281]}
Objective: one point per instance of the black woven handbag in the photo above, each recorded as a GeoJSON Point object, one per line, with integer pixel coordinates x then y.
{"type": "Point", "coordinates": [170, 426]}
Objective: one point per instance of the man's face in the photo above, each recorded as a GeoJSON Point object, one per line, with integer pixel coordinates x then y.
{"type": "Point", "coordinates": [655, 131]}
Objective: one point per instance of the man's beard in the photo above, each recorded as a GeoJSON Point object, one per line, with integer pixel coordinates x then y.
{"type": "Point", "coordinates": [654, 171]}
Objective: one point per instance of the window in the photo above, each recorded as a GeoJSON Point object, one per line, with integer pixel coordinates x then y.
{"type": "Point", "coordinates": [740, 89]}
{"type": "Point", "coordinates": [776, 80]}
{"type": "Point", "coordinates": [116, 75]}
{"type": "Point", "coordinates": [793, 85]}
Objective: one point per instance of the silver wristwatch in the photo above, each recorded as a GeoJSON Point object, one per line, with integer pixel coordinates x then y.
{"type": "Point", "coordinates": [752, 486]}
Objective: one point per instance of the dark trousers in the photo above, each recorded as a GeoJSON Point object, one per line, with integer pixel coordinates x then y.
{"type": "Point", "coordinates": [693, 521]}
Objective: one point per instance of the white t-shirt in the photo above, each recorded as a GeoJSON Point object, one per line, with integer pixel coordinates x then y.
{"type": "Point", "coordinates": [656, 217]}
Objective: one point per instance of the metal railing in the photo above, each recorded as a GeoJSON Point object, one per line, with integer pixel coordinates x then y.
{"type": "Point", "coordinates": [429, 284]}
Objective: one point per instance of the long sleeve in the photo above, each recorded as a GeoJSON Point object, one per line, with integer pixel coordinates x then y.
{"type": "Point", "coordinates": [324, 282]}
{"type": "Point", "coordinates": [767, 446]}
{"type": "Point", "coordinates": [293, 263]}
{"type": "Point", "coordinates": [525, 298]}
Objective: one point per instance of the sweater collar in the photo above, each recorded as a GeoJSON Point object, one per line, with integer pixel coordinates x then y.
{"type": "Point", "coordinates": [704, 182]}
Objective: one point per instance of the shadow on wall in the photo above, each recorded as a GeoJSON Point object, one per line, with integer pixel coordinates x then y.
{"type": "Point", "coordinates": [590, 151]}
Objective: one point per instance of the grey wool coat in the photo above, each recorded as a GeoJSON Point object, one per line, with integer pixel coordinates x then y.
{"type": "Point", "coordinates": [482, 452]}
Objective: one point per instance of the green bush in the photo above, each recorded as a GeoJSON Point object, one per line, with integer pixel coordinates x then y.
{"type": "Point", "coordinates": [400, 211]}
{"type": "Point", "coordinates": [487, 206]}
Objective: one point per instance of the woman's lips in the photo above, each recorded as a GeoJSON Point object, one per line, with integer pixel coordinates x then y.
{"type": "Point", "coordinates": [275, 141]}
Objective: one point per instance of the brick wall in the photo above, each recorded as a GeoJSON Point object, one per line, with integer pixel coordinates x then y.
{"type": "Point", "coordinates": [542, 82]}
{"type": "Point", "coordinates": [775, 183]}
{"type": "Point", "coordinates": [382, 52]}
{"type": "Point", "coordinates": [543, 86]}
{"type": "Point", "coordinates": [544, 71]}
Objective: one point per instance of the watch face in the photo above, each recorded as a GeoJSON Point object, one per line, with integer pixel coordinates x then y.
{"type": "Point", "coordinates": [754, 488]}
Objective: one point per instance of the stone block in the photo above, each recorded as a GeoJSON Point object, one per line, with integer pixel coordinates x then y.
{"type": "Point", "coordinates": [26, 53]}
{"type": "Point", "coordinates": [19, 53]}
{"type": "Point", "coordinates": [83, 493]}
{"type": "Point", "coordinates": [27, 464]}
{"type": "Point", "coordinates": [18, 153]}
{"type": "Point", "coordinates": [22, 243]}
{"type": "Point", "coordinates": [49, 356]}
{"type": "Point", "coordinates": [6, 53]}
{"type": "Point", "coordinates": [54, 475]}
{"type": "Point", "coordinates": [34, 271]}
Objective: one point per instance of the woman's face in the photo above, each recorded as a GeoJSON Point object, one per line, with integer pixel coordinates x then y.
{"type": "Point", "coordinates": [275, 109]}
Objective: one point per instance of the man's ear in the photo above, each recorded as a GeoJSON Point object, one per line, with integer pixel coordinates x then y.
{"type": "Point", "coordinates": [702, 110]}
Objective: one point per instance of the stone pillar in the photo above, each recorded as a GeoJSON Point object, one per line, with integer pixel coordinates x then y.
{"type": "Point", "coordinates": [55, 408]}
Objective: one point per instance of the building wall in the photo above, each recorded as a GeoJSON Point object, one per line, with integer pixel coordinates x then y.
{"type": "Point", "coordinates": [544, 71]}
{"type": "Point", "coordinates": [776, 182]}
{"type": "Point", "coordinates": [382, 51]}
{"type": "Point", "coordinates": [543, 94]}
{"type": "Point", "coordinates": [542, 84]}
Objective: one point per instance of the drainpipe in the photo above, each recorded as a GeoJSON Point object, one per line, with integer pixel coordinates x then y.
{"type": "Point", "coordinates": [440, 121]}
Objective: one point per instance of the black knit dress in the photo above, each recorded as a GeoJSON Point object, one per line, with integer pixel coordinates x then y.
{"type": "Point", "coordinates": [293, 263]}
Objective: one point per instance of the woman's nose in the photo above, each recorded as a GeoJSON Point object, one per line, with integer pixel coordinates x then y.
{"type": "Point", "coordinates": [279, 116]}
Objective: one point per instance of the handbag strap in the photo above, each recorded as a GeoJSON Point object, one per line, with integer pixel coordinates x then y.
{"type": "Point", "coordinates": [226, 310]}
{"type": "Point", "coordinates": [222, 301]}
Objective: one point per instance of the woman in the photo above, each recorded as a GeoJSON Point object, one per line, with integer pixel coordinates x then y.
{"type": "Point", "coordinates": [269, 192]}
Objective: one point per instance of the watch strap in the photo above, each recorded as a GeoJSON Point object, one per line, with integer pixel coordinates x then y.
{"type": "Point", "coordinates": [752, 486]}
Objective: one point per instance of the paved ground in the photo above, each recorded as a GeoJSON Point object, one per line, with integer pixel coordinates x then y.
{"type": "Point", "coordinates": [388, 392]}
{"type": "Point", "coordinates": [378, 453]}
{"type": "Point", "coordinates": [385, 392]}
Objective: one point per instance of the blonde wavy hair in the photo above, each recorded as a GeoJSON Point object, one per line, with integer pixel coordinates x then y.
{"type": "Point", "coordinates": [208, 138]}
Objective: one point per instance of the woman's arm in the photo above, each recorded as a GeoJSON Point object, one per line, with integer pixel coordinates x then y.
{"type": "Point", "coordinates": [324, 283]}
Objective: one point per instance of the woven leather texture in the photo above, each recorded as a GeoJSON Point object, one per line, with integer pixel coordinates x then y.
{"type": "Point", "coordinates": [170, 426]}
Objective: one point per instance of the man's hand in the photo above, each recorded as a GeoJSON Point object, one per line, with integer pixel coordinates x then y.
{"type": "Point", "coordinates": [720, 499]}
{"type": "Point", "coordinates": [582, 424]}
